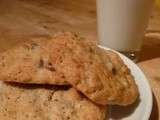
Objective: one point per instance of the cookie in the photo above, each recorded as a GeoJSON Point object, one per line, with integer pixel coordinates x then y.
{"type": "Point", "coordinates": [68, 59]}
{"type": "Point", "coordinates": [124, 90]}
{"type": "Point", "coordinates": [35, 102]}
{"type": "Point", "coordinates": [28, 63]}
{"type": "Point", "coordinates": [42, 61]}
{"type": "Point", "coordinates": [105, 82]}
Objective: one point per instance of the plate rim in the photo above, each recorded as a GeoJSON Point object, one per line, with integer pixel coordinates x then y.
{"type": "Point", "coordinates": [147, 113]}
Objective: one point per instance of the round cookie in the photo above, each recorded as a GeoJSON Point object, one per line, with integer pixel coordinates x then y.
{"type": "Point", "coordinates": [41, 102]}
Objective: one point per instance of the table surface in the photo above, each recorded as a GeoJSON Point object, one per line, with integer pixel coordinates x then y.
{"type": "Point", "coordinates": [21, 20]}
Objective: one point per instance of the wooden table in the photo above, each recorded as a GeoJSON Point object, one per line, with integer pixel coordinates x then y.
{"type": "Point", "coordinates": [151, 69]}
{"type": "Point", "coordinates": [21, 20]}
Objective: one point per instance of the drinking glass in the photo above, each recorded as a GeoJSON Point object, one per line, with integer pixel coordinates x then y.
{"type": "Point", "coordinates": [122, 23]}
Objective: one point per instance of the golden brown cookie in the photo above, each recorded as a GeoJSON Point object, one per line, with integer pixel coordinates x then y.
{"type": "Point", "coordinates": [30, 63]}
{"type": "Point", "coordinates": [43, 61]}
{"type": "Point", "coordinates": [35, 102]}
{"type": "Point", "coordinates": [105, 82]}
{"type": "Point", "coordinates": [123, 90]}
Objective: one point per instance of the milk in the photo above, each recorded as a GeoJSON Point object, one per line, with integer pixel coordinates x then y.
{"type": "Point", "coordinates": [121, 23]}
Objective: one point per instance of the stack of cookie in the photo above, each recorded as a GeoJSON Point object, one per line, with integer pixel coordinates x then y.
{"type": "Point", "coordinates": [62, 78]}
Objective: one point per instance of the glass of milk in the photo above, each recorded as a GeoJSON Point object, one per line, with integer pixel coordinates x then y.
{"type": "Point", "coordinates": [122, 23]}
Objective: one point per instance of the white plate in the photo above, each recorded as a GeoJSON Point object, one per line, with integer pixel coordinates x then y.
{"type": "Point", "coordinates": [140, 110]}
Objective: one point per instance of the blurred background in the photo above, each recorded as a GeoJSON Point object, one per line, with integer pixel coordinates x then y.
{"type": "Point", "coordinates": [21, 20]}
